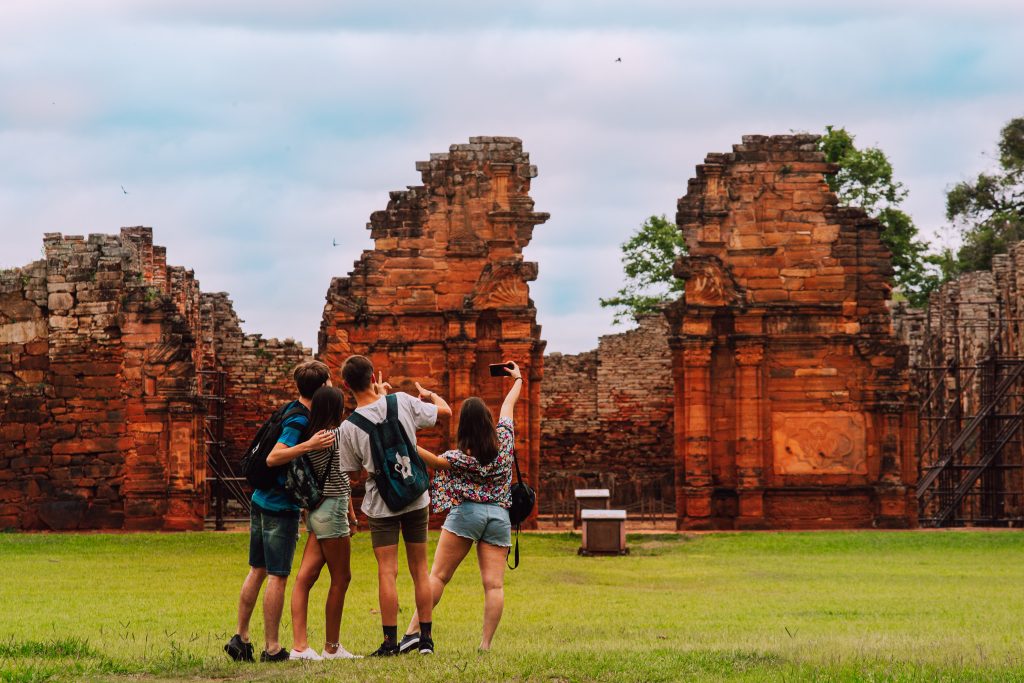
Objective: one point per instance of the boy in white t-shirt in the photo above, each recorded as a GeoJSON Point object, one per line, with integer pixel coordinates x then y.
{"type": "Point", "coordinates": [385, 523]}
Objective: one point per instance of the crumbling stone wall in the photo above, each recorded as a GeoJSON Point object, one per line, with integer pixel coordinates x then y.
{"type": "Point", "coordinates": [100, 350]}
{"type": "Point", "coordinates": [790, 387]}
{"type": "Point", "coordinates": [258, 371]}
{"type": "Point", "coordinates": [445, 290]}
{"type": "Point", "coordinates": [607, 419]}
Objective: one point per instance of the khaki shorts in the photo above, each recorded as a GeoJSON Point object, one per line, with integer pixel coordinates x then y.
{"type": "Point", "coordinates": [384, 530]}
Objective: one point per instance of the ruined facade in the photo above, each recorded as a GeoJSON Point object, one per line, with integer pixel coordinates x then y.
{"type": "Point", "coordinates": [444, 292]}
{"type": "Point", "coordinates": [790, 387]}
{"type": "Point", "coordinates": [607, 421]}
{"type": "Point", "coordinates": [101, 349]}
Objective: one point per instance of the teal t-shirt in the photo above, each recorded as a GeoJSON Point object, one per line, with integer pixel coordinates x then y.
{"type": "Point", "coordinates": [277, 499]}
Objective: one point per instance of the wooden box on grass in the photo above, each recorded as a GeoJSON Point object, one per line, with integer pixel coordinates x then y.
{"type": "Point", "coordinates": [604, 532]}
{"type": "Point", "coordinates": [590, 499]}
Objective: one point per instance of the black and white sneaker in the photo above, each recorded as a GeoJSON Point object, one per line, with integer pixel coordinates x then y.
{"type": "Point", "coordinates": [426, 645]}
{"type": "Point", "coordinates": [279, 656]}
{"type": "Point", "coordinates": [409, 643]}
{"type": "Point", "coordinates": [385, 650]}
{"type": "Point", "coordinates": [239, 650]}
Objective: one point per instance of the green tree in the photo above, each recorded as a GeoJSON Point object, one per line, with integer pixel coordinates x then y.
{"type": "Point", "coordinates": [865, 179]}
{"type": "Point", "coordinates": [989, 211]}
{"type": "Point", "coordinates": [647, 259]}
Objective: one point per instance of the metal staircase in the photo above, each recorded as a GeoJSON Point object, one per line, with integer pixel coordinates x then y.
{"type": "Point", "coordinates": [971, 435]}
{"type": "Point", "coordinates": [227, 499]}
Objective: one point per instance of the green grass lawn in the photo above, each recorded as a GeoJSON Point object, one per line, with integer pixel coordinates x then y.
{"type": "Point", "coordinates": [757, 606]}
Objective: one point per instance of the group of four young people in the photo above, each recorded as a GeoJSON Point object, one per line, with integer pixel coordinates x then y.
{"type": "Point", "coordinates": [472, 483]}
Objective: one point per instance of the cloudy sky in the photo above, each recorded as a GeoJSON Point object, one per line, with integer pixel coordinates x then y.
{"type": "Point", "coordinates": [252, 134]}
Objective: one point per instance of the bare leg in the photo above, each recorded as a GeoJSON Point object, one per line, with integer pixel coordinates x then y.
{"type": "Point", "coordinates": [309, 572]}
{"type": "Point", "coordinates": [416, 554]}
{"type": "Point", "coordinates": [273, 603]}
{"type": "Point", "coordinates": [450, 552]}
{"type": "Point", "coordinates": [337, 553]}
{"type": "Point", "coordinates": [387, 583]}
{"type": "Point", "coordinates": [247, 600]}
{"type": "Point", "coordinates": [492, 570]}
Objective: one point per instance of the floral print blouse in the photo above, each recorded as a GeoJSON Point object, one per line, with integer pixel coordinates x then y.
{"type": "Point", "coordinates": [469, 480]}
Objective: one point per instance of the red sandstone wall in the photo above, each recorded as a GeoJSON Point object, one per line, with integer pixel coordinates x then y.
{"type": "Point", "coordinates": [791, 389]}
{"type": "Point", "coordinates": [445, 290]}
{"type": "Point", "coordinates": [100, 349]}
{"type": "Point", "coordinates": [607, 420]}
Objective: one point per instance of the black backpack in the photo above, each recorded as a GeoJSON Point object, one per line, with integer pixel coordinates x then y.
{"type": "Point", "coordinates": [523, 500]}
{"type": "Point", "coordinates": [254, 462]}
{"type": "Point", "coordinates": [399, 472]}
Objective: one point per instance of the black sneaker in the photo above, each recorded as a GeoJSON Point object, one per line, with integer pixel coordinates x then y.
{"type": "Point", "coordinates": [385, 650]}
{"type": "Point", "coordinates": [279, 656]}
{"type": "Point", "coordinates": [409, 643]}
{"type": "Point", "coordinates": [426, 645]}
{"type": "Point", "coordinates": [239, 650]}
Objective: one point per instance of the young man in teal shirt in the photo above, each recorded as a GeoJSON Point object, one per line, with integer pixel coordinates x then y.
{"type": "Point", "coordinates": [274, 526]}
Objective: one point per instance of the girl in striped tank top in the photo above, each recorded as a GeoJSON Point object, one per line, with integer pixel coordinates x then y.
{"type": "Point", "coordinates": [330, 526]}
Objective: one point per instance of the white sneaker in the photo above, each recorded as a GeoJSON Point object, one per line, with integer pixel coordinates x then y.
{"type": "Point", "coordinates": [308, 654]}
{"type": "Point", "coordinates": [342, 653]}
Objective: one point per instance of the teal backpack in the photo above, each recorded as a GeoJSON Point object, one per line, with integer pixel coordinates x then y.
{"type": "Point", "coordinates": [400, 475]}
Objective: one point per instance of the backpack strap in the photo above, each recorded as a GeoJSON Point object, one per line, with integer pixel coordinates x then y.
{"type": "Point", "coordinates": [376, 447]}
{"type": "Point", "coordinates": [392, 403]}
{"type": "Point", "coordinates": [362, 422]}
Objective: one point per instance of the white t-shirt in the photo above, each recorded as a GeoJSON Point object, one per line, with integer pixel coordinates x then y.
{"type": "Point", "coordinates": [355, 453]}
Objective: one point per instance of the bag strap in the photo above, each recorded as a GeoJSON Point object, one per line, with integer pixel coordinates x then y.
{"type": "Point", "coordinates": [376, 447]}
{"type": "Point", "coordinates": [391, 401]}
{"type": "Point", "coordinates": [362, 422]}
{"type": "Point", "coordinates": [509, 553]}
{"type": "Point", "coordinates": [519, 478]}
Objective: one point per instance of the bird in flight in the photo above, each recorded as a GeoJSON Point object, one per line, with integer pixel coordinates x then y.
{"type": "Point", "coordinates": [334, 242]}
{"type": "Point", "coordinates": [124, 190]}
{"type": "Point", "coordinates": [618, 59]}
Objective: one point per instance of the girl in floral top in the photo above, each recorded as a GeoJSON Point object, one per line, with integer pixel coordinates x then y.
{"type": "Point", "coordinates": [473, 483]}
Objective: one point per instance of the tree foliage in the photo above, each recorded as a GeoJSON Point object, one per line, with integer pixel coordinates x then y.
{"type": "Point", "coordinates": [865, 179]}
{"type": "Point", "coordinates": [647, 259]}
{"type": "Point", "coordinates": [989, 211]}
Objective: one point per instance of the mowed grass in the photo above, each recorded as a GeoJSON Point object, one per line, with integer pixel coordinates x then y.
{"type": "Point", "coordinates": [757, 606]}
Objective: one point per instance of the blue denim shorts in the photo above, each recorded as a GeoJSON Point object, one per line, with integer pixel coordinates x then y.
{"type": "Point", "coordinates": [272, 537]}
{"type": "Point", "coordinates": [329, 519]}
{"type": "Point", "coordinates": [483, 522]}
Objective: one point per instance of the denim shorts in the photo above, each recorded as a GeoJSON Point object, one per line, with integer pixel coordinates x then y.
{"type": "Point", "coordinates": [329, 519]}
{"type": "Point", "coordinates": [272, 537]}
{"type": "Point", "coordinates": [483, 522]}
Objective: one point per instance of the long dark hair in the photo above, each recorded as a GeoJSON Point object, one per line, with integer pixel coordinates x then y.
{"type": "Point", "coordinates": [325, 411]}
{"type": "Point", "coordinates": [477, 436]}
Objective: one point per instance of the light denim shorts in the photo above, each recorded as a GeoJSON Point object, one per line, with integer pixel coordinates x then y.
{"type": "Point", "coordinates": [329, 519]}
{"type": "Point", "coordinates": [484, 522]}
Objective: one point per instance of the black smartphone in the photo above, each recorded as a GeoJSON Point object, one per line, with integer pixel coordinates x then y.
{"type": "Point", "coordinates": [500, 369]}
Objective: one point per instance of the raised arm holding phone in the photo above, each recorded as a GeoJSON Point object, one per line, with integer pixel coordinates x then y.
{"type": "Point", "coordinates": [473, 482]}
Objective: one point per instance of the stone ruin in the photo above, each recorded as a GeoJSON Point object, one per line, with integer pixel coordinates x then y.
{"type": "Point", "coordinates": [445, 290]}
{"type": "Point", "coordinates": [790, 387]}
{"type": "Point", "coordinates": [101, 421]}
{"type": "Point", "coordinates": [775, 387]}
{"type": "Point", "coordinates": [607, 423]}
{"type": "Point", "coordinates": [771, 395]}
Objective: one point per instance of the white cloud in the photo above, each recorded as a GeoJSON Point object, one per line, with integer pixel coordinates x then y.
{"type": "Point", "coordinates": [251, 135]}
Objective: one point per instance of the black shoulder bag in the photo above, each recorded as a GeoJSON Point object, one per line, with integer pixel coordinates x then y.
{"type": "Point", "coordinates": [523, 500]}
